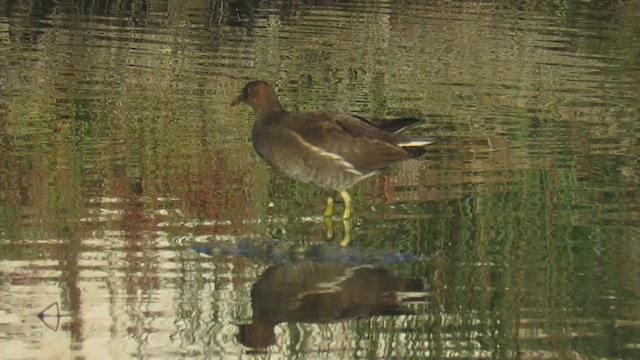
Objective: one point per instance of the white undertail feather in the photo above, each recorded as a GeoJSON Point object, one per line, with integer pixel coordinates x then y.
{"type": "Point", "coordinates": [416, 142]}
{"type": "Point", "coordinates": [409, 296]}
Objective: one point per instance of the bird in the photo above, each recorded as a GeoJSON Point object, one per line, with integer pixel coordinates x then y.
{"type": "Point", "coordinates": [330, 149]}
{"type": "Point", "coordinates": [329, 291]}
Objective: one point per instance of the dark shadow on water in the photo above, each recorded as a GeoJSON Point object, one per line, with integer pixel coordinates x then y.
{"type": "Point", "coordinates": [326, 283]}
{"type": "Point", "coordinates": [324, 292]}
{"type": "Point", "coordinates": [279, 251]}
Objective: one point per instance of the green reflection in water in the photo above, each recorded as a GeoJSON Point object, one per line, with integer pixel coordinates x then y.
{"type": "Point", "coordinates": [118, 151]}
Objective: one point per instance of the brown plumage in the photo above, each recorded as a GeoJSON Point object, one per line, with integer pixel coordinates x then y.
{"type": "Point", "coordinates": [330, 149]}
{"type": "Point", "coordinates": [325, 292]}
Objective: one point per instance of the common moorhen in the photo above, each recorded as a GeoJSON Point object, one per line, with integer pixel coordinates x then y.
{"type": "Point", "coordinates": [327, 148]}
{"type": "Point", "coordinates": [325, 292]}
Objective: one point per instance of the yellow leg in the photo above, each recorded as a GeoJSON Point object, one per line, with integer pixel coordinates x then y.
{"type": "Point", "coordinates": [347, 205]}
{"type": "Point", "coordinates": [346, 239]}
{"type": "Point", "coordinates": [328, 222]}
{"type": "Point", "coordinates": [328, 211]}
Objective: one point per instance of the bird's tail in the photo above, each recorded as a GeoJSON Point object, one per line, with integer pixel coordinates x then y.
{"type": "Point", "coordinates": [415, 146]}
{"type": "Point", "coordinates": [417, 141]}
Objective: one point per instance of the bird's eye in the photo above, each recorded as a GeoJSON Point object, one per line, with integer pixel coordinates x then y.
{"type": "Point", "coordinates": [245, 93]}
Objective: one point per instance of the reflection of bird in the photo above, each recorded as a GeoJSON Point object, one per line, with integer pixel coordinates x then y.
{"type": "Point", "coordinates": [330, 149]}
{"type": "Point", "coordinates": [317, 292]}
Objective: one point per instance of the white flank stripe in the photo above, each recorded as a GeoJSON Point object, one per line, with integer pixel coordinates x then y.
{"type": "Point", "coordinates": [339, 159]}
{"type": "Point", "coordinates": [335, 285]}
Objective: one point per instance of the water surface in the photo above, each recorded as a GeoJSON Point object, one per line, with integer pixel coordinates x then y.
{"type": "Point", "coordinates": [131, 197]}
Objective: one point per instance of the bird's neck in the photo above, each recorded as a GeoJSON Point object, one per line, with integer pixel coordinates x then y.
{"type": "Point", "coordinates": [269, 112]}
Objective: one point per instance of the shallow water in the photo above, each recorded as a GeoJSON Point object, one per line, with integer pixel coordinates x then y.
{"type": "Point", "coordinates": [131, 197]}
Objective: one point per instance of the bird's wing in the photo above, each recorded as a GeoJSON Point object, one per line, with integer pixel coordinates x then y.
{"type": "Point", "coordinates": [347, 139]}
{"type": "Point", "coordinates": [395, 126]}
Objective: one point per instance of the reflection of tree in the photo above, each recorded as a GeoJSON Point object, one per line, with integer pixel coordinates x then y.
{"type": "Point", "coordinates": [316, 292]}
